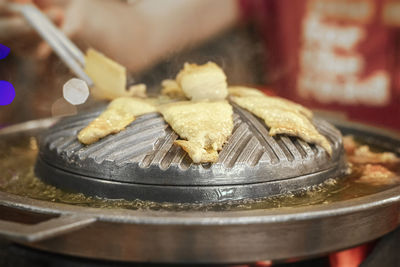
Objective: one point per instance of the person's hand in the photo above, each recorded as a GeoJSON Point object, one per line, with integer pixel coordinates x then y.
{"type": "Point", "coordinates": [16, 33]}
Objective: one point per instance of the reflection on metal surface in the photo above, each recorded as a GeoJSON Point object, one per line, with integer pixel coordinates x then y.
{"type": "Point", "coordinates": [44, 230]}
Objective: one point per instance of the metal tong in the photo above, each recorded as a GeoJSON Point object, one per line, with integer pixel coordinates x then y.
{"type": "Point", "coordinates": [62, 46]}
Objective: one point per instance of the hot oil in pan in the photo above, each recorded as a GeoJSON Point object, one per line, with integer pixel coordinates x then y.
{"type": "Point", "coordinates": [18, 155]}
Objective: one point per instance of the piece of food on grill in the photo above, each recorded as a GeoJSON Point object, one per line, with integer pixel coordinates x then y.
{"type": "Point", "coordinates": [271, 101]}
{"type": "Point", "coordinates": [377, 175]}
{"type": "Point", "coordinates": [244, 91]}
{"type": "Point", "coordinates": [109, 77]}
{"type": "Point", "coordinates": [205, 126]}
{"type": "Point", "coordinates": [206, 122]}
{"type": "Point", "coordinates": [119, 114]}
{"type": "Point", "coordinates": [203, 82]}
{"type": "Point", "coordinates": [172, 89]}
{"type": "Point", "coordinates": [284, 117]}
{"type": "Point", "coordinates": [137, 90]}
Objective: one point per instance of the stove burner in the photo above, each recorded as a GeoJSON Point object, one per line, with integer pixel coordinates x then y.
{"type": "Point", "coordinates": [142, 162]}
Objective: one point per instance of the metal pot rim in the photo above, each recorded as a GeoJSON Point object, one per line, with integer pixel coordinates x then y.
{"type": "Point", "coordinates": [261, 216]}
{"type": "Point", "coordinates": [205, 237]}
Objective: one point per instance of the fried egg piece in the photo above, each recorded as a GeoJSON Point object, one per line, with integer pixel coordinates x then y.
{"type": "Point", "coordinates": [203, 82]}
{"type": "Point", "coordinates": [283, 117]}
{"type": "Point", "coordinates": [172, 89]}
{"type": "Point", "coordinates": [119, 113]}
{"type": "Point", "coordinates": [242, 91]}
{"type": "Point", "coordinates": [204, 125]}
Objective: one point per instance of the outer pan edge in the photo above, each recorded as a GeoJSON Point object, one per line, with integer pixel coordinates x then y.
{"type": "Point", "coordinates": [177, 194]}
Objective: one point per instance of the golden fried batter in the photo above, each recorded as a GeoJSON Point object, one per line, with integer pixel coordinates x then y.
{"type": "Point", "coordinates": [171, 89]}
{"type": "Point", "coordinates": [283, 117]}
{"type": "Point", "coordinates": [271, 101]}
{"type": "Point", "coordinates": [244, 91]}
{"type": "Point", "coordinates": [203, 82]}
{"type": "Point", "coordinates": [197, 153]}
{"type": "Point", "coordinates": [119, 114]}
{"type": "Point", "coordinates": [205, 125]}
{"type": "Point", "coordinates": [138, 90]}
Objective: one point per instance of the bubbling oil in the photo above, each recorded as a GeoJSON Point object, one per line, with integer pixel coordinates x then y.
{"type": "Point", "coordinates": [18, 155]}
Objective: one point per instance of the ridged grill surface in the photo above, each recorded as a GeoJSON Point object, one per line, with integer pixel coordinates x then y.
{"type": "Point", "coordinates": [145, 153]}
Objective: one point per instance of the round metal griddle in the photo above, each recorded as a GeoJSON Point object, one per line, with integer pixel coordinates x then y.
{"type": "Point", "coordinates": [142, 162]}
{"type": "Point", "coordinates": [204, 237]}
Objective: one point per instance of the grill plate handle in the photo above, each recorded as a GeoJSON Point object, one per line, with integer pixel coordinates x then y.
{"type": "Point", "coordinates": [37, 232]}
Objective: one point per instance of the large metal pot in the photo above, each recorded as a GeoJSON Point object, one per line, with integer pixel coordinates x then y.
{"type": "Point", "coordinates": [203, 237]}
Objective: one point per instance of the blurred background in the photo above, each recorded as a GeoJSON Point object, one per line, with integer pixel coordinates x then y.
{"type": "Point", "coordinates": [38, 79]}
{"type": "Point", "coordinates": [338, 56]}
{"type": "Point", "coordinates": [38, 83]}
